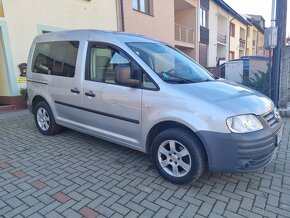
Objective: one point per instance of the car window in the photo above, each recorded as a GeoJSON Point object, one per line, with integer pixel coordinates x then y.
{"type": "Point", "coordinates": [55, 58]}
{"type": "Point", "coordinates": [103, 61]}
{"type": "Point", "coordinates": [169, 64]}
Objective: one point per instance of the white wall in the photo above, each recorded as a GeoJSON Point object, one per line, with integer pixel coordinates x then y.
{"type": "Point", "coordinates": [214, 10]}
{"type": "Point", "coordinates": [24, 16]}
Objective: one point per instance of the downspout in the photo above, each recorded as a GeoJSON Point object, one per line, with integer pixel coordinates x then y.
{"type": "Point", "coordinates": [230, 35]}
{"type": "Point", "coordinates": [122, 16]}
{"type": "Point", "coordinates": [246, 46]}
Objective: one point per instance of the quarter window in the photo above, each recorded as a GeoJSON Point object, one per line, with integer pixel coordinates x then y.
{"type": "Point", "coordinates": [55, 58]}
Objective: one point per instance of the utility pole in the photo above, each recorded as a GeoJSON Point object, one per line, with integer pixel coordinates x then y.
{"type": "Point", "coordinates": [281, 16]}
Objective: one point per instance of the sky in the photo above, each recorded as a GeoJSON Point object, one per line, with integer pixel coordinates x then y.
{"type": "Point", "coordinates": [259, 7]}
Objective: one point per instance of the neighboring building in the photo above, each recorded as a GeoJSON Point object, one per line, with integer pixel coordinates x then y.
{"type": "Point", "coordinates": [238, 34]}
{"type": "Point", "coordinates": [171, 21]}
{"type": "Point", "coordinates": [218, 48]}
{"type": "Point", "coordinates": [22, 20]}
{"type": "Point", "coordinates": [227, 34]}
{"type": "Point", "coordinates": [255, 33]}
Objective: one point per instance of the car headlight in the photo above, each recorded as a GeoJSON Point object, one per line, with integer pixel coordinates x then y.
{"type": "Point", "coordinates": [244, 123]}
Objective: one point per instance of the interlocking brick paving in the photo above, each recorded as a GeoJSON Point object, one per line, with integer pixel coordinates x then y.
{"type": "Point", "coordinates": [85, 177]}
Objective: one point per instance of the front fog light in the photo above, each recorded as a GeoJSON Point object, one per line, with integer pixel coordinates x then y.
{"type": "Point", "coordinates": [244, 123]}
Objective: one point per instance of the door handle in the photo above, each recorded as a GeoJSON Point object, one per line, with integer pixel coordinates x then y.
{"type": "Point", "coordinates": [75, 90]}
{"type": "Point", "coordinates": [90, 94]}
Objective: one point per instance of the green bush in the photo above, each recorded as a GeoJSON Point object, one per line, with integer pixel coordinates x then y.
{"type": "Point", "coordinates": [24, 93]}
{"type": "Point", "coordinates": [260, 82]}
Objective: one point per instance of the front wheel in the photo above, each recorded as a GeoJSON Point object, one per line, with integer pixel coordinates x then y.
{"type": "Point", "coordinates": [44, 119]}
{"type": "Point", "coordinates": [179, 155]}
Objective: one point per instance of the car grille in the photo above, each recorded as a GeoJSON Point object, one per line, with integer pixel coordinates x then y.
{"type": "Point", "coordinates": [271, 119]}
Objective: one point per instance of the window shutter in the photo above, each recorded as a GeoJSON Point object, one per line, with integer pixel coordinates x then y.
{"type": "Point", "coordinates": [1, 9]}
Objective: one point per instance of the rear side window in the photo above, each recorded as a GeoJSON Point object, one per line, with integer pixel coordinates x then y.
{"type": "Point", "coordinates": [55, 58]}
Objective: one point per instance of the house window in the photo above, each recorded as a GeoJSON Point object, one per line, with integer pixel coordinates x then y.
{"type": "Point", "coordinates": [232, 55]}
{"type": "Point", "coordinates": [233, 29]}
{"type": "Point", "coordinates": [203, 17]}
{"type": "Point", "coordinates": [144, 6]}
{"type": "Point", "coordinates": [1, 9]}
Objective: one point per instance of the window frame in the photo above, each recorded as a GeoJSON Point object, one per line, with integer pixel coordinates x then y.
{"type": "Point", "coordinates": [203, 14]}
{"type": "Point", "coordinates": [138, 9]}
{"type": "Point", "coordinates": [121, 51]}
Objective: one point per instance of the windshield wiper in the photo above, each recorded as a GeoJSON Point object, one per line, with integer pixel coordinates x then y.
{"type": "Point", "coordinates": [179, 79]}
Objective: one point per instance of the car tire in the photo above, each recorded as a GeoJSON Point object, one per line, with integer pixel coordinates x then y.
{"type": "Point", "coordinates": [44, 119]}
{"type": "Point", "coordinates": [179, 155]}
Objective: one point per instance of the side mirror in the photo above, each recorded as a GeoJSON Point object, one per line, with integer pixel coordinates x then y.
{"type": "Point", "coordinates": [123, 76]}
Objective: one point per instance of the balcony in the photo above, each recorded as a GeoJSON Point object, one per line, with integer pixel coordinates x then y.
{"type": "Point", "coordinates": [184, 34]}
{"type": "Point", "coordinates": [222, 38]}
{"type": "Point", "coordinates": [242, 44]}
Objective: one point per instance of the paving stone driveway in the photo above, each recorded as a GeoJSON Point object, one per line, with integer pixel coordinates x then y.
{"type": "Point", "coordinates": [75, 175]}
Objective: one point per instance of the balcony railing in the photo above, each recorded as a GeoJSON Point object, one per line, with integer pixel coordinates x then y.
{"type": "Point", "coordinates": [242, 44]}
{"type": "Point", "coordinates": [184, 34]}
{"type": "Point", "coordinates": [222, 38]}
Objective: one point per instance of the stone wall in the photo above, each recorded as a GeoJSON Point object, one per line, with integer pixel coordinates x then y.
{"type": "Point", "coordinates": [284, 97]}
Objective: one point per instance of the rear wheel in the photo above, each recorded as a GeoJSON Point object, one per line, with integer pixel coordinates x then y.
{"type": "Point", "coordinates": [179, 155]}
{"type": "Point", "coordinates": [44, 119]}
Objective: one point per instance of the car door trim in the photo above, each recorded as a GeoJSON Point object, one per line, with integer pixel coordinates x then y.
{"type": "Point", "coordinates": [32, 81]}
{"type": "Point", "coordinates": [99, 112]}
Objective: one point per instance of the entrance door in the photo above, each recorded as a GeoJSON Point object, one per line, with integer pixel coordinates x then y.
{"type": "Point", "coordinates": [4, 85]}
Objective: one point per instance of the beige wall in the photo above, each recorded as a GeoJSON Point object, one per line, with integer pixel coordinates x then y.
{"type": "Point", "coordinates": [235, 41]}
{"type": "Point", "coordinates": [260, 44]}
{"type": "Point", "coordinates": [23, 17]}
{"type": "Point", "coordinates": [160, 26]}
{"type": "Point", "coordinates": [1, 9]}
{"type": "Point", "coordinates": [186, 18]}
{"type": "Point", "coordinates": [4, 89]}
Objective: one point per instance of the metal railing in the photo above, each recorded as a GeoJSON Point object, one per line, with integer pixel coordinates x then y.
{"type": "Point", "coordinates": [242, 44]}
{"type": "Point", "coordinates": [222, 38]}
{"type": "Point", "coordinates": [184, 34]}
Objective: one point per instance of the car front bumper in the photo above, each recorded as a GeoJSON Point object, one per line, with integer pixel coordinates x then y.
{"type": "Point", "coordinates": [231, 152]}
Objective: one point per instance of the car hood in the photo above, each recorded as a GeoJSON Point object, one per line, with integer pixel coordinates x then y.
{"type": "Point", "coordinates": [229, 96]}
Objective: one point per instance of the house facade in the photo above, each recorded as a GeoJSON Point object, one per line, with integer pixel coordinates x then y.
{"type": "Point", "coordinates": [22, 20]}
{"type": "Point", "coordinates": [218, 35]}
{"type": "Point", "coordinates": [172, 21]}
{"type": "Point", "coordinates": [230, 35]}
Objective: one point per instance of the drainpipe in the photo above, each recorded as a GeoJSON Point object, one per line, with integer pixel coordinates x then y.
{"type": "Point", "coordinates": [120, 15]}
{"type": "Point", "coordinates": [230, 35]}
{"type": "Point", "coordinates": [246, 45]}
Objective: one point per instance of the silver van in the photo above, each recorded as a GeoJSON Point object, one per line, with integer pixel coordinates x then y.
{"type": "Point", "coordinates": [151, 97]}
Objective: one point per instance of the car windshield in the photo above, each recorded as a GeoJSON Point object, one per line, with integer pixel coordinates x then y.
{"type": "Point", "coordinates": [169, 64]}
